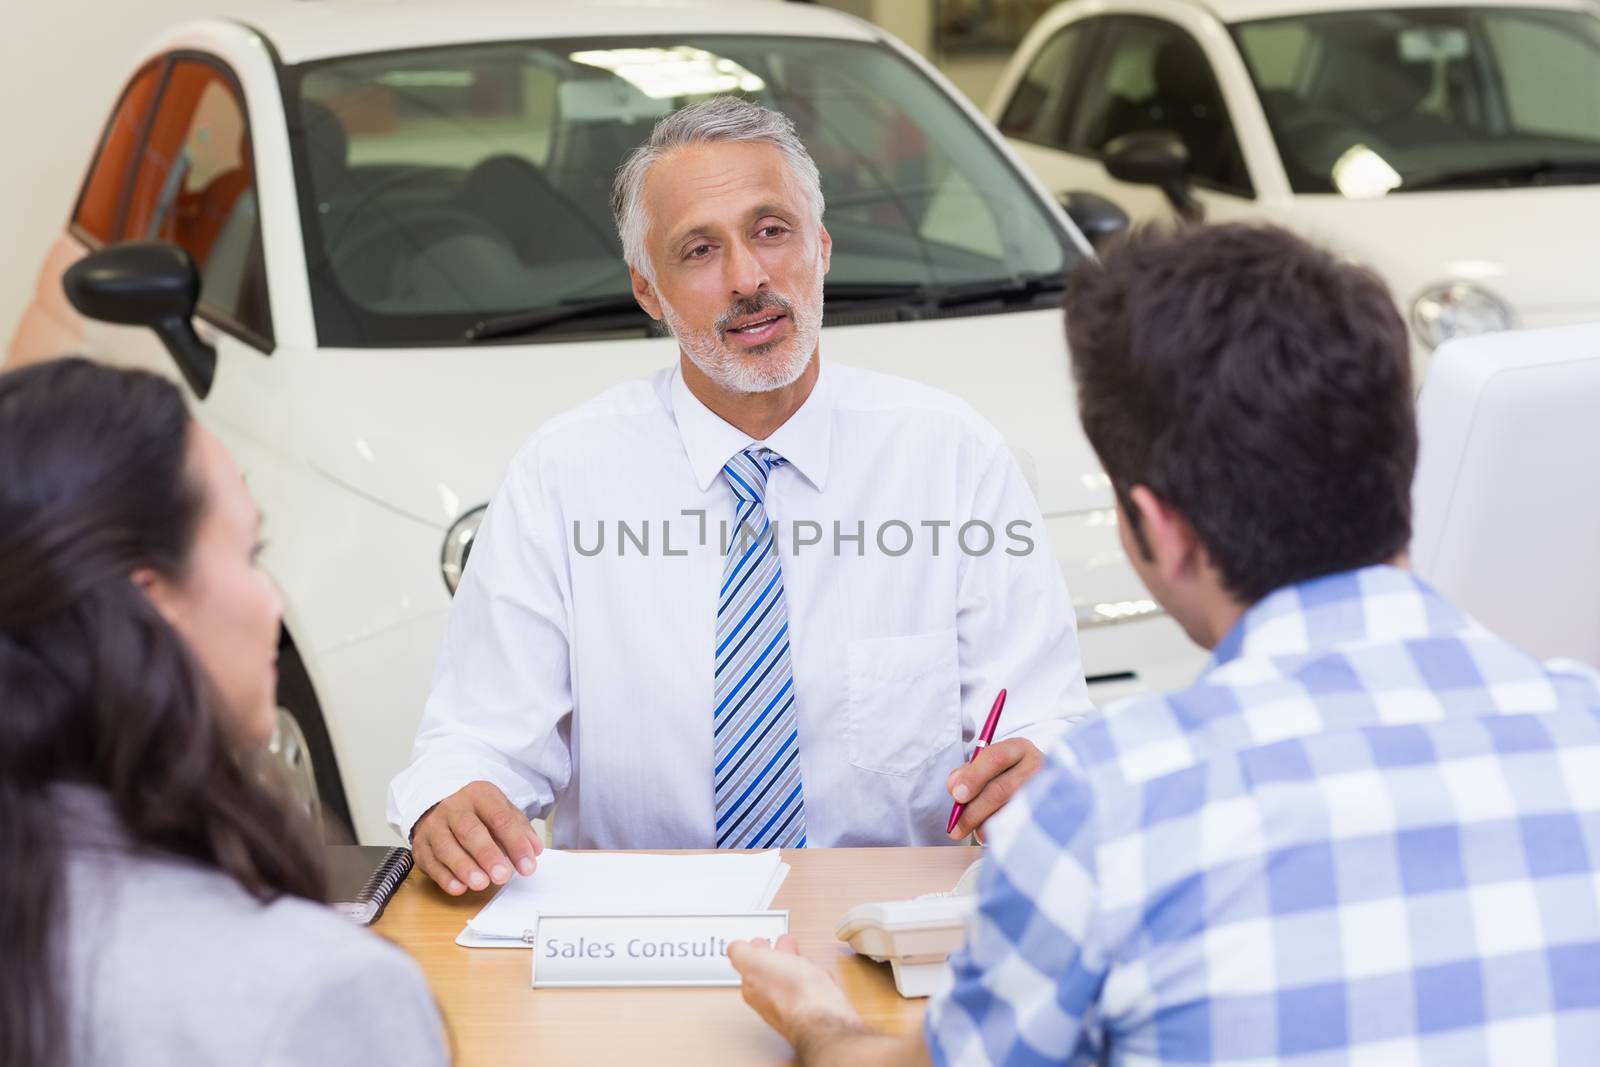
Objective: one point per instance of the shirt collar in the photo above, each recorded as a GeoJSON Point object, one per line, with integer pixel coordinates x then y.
{"type": "Point", "coordinates": [710, 441]}
{"type": "Point", "coordinates": [1369, 605]}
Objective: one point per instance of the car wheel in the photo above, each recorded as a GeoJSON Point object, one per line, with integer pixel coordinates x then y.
{"type": "Point", "coordinates": [300, 744]}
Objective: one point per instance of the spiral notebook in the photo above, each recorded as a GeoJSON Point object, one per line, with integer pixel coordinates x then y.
{"type": "Point", "coordinates": [362, 878]}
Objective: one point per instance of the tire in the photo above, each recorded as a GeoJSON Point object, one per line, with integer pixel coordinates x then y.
{"type": "Point", "coordinates": [302, 739]}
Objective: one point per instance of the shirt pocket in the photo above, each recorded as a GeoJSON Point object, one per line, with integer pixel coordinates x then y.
{"type": "Point", "coordinates": [905, 701]}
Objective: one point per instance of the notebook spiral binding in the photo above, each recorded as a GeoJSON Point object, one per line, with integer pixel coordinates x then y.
{"type": "Point", "coordinates": [369, 902]}
{"type": "Point", "coordinates": [387, 878]}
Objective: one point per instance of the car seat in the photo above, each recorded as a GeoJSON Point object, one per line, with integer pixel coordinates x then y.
{"type": "Point", "coordinates": [326, 145]}
{"type": "Point", "coordinates": [538, 220]}
{"type": "Point", "coordinates": [200, 216]}
{"type": "Point", "coordinates": [1183, 101]}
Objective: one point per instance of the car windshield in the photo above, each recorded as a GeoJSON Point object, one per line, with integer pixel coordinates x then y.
{"type": "Point", "coordinates": [458, 194]}
{"type": "Point", "coordinates": [1369, 103]}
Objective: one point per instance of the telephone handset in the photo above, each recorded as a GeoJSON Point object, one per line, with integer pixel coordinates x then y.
{"type": "Point", "coordinates": [914, 936]}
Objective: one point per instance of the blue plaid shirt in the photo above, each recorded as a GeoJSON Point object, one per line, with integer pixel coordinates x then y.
{"type": "Point", "coordinates": [1370, 833]}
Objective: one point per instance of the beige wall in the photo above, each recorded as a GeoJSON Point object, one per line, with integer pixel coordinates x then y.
{"type": "Point", "coordinates": [913, 22]}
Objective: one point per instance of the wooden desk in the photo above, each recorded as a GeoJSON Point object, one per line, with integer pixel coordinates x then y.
{"type": "Point", "coordinates": [497, 1019]}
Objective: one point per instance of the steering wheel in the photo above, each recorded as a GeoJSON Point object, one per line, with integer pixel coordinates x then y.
{"type": "Point", "coordinates": [1315, 122]}
{"type": "Point", "coordinates": [412, 231]}
{"type": "Point", "coordinates": [349, 209]}
{"type": "Point", "coordinates": [1313, 140]}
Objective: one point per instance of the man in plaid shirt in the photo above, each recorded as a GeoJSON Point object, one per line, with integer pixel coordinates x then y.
{"type": "Point", "coordinates": [1370, 832]}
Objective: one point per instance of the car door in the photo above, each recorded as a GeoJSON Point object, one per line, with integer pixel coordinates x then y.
{"type": "Point", "coordinates": [1037, 116]}
{"type": "Point", "coordinates": [49, 326]}
{"type": "Point", "coordinates": [194, 186]}
{"type": "Point", "coordinates": [1122, 74]}
{"type": "Point", "coordinates": [180, 171]}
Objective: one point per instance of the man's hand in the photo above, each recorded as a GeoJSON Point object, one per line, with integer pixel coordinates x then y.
{"type": "Point", "coordinates": [796, 997]}
{"type": "Point", "coordinates": [988, 782]}
{"type": "Point", "coordinates": [804, 1004]}
{"type": "Point", "coordinates": [473, 837]}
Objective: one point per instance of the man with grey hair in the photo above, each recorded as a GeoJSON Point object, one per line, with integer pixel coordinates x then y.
{"type": "Point", "coordinates": [753, 682]}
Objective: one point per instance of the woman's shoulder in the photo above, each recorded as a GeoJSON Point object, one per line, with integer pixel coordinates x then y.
{"type": "Point", "coordinates": [169, 903]}
{"type": "Point", "coordinates": [247, 973]}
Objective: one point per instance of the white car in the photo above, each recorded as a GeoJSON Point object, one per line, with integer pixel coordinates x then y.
{"type": "Point", "coordinates": [406, 263]}
{"type": "Point", "coordinates": [1453, 146]}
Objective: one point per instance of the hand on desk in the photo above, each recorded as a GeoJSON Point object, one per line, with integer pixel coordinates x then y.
{"type": "Point", "coordinates": [989, 781]}
{"type": "Point", "coordinates": [790, 992]}
{"type": "Point", "coordinates": [473, 837]}
{"type": "Point", "coordinates": [803, 1003]}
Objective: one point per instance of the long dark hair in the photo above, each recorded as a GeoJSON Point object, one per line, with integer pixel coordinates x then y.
{"type": "Point", "coordinates": [95, 688]}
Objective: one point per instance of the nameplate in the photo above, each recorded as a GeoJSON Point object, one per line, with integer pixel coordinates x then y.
{"type": "Point", "coordinates": [645, 950]}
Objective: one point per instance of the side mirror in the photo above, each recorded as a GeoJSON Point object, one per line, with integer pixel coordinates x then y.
{"type": "Point", "coordinates": [1158, 158]}
{"type": "Point", "coordinates": [1097, 218]}
{"type": "Point", "coordinates": [146, 283]}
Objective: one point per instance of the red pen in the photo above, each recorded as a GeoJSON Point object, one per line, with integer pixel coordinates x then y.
{"type": "Point", "coordinates": [983, 742]}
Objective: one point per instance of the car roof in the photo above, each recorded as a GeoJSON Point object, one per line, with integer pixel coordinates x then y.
{"type": "Point", "coordinates": [1232, 11]}
{"type": "Point", "coordinates": [308, 30]}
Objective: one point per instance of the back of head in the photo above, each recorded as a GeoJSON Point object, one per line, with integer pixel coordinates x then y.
{"type": "Point", "coordinates": [1257, 384]}
{"type": "Point", "coordinates": [96, 482]}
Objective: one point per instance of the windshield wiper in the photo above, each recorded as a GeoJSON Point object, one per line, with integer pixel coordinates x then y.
{"type": "Point", "coordinates": [1525, 173]}
{"type": "Point", "coordinates": [523, 323]}
{"type": "Point", "coordinates": [916, 298]}
{"type": "Point", "coordinates": [1022, 288]}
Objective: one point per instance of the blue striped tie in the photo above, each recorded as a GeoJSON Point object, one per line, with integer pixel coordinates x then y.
{"type": "Point", "coordinates": [756, 776]}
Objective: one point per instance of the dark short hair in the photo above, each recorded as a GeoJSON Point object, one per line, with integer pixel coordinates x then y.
{"type": "Point", "coordinates": [1257, 384]}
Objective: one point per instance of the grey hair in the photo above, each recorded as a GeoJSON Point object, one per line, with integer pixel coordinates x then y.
{"type": "Point", "coordinates": [722, 119]}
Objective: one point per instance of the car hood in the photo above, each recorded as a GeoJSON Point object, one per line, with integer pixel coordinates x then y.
{"type": "Point", "coordinates": [1534, 248]}
{"type": "Point", "coordinates": [429, 432]}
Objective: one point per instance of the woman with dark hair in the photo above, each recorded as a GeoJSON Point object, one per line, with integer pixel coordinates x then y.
{"type": "Point", "coordinates": [157, 900]}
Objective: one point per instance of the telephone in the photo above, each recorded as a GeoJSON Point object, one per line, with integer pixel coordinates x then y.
{"type": "Point", "coordinates": [914, 936]}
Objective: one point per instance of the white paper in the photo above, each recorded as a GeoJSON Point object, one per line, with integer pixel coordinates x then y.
{"type": "Point", "coordinates": [597, 883]}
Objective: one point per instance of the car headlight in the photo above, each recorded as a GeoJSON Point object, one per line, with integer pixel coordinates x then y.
{"type": "Point", "coordinates": [1458, 309]}
{"type": "Point", "coordinates": [458, 546]}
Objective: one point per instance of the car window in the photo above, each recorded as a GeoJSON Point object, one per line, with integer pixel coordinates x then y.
{"type": "Point", "coordinates": [1551, 77]}
{"type": "Point", "coordinates": [1281, 52]}
{"type": "Point", "coordinates": [195, 187]}
{"type": "Point", "coordinates": [882, 171]}
{"type": "Point", "coordinates": [101, 200]}
{"type": "Point", "coordinates": [1379, 101]}
{"type": "Point", "coordinates": [443, 187]}
{"type": "Point", "coordinates": [1149, 74]}
{"type": "Point", "coordinates": [1035, 111]}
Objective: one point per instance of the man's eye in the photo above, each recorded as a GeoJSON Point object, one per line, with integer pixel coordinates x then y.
{"type": "Point", "coordinates": [698, 252]}
{"type": "Point", "coordinates": [773, 231]}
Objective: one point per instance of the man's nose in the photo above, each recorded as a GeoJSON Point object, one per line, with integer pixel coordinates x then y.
{"type": "Point", "coordinates": [746, 273]}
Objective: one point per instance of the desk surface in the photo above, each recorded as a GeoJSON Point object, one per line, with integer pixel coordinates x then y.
{"type": "Point", "coordinates": [496, 1018]}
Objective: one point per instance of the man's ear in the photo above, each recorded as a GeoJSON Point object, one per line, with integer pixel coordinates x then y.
{"type": "Point", "coordinates": [826, 240]}
{"type": "Point", "coordinates": [645, 293]}
{"type": "Point", "coordinates": [1177, 550]}
{"type": "Point", "coordinates": [159, 590]}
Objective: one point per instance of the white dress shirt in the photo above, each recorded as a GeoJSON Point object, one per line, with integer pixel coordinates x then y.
{"type": "Point", "coordinates": [582, 679]}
